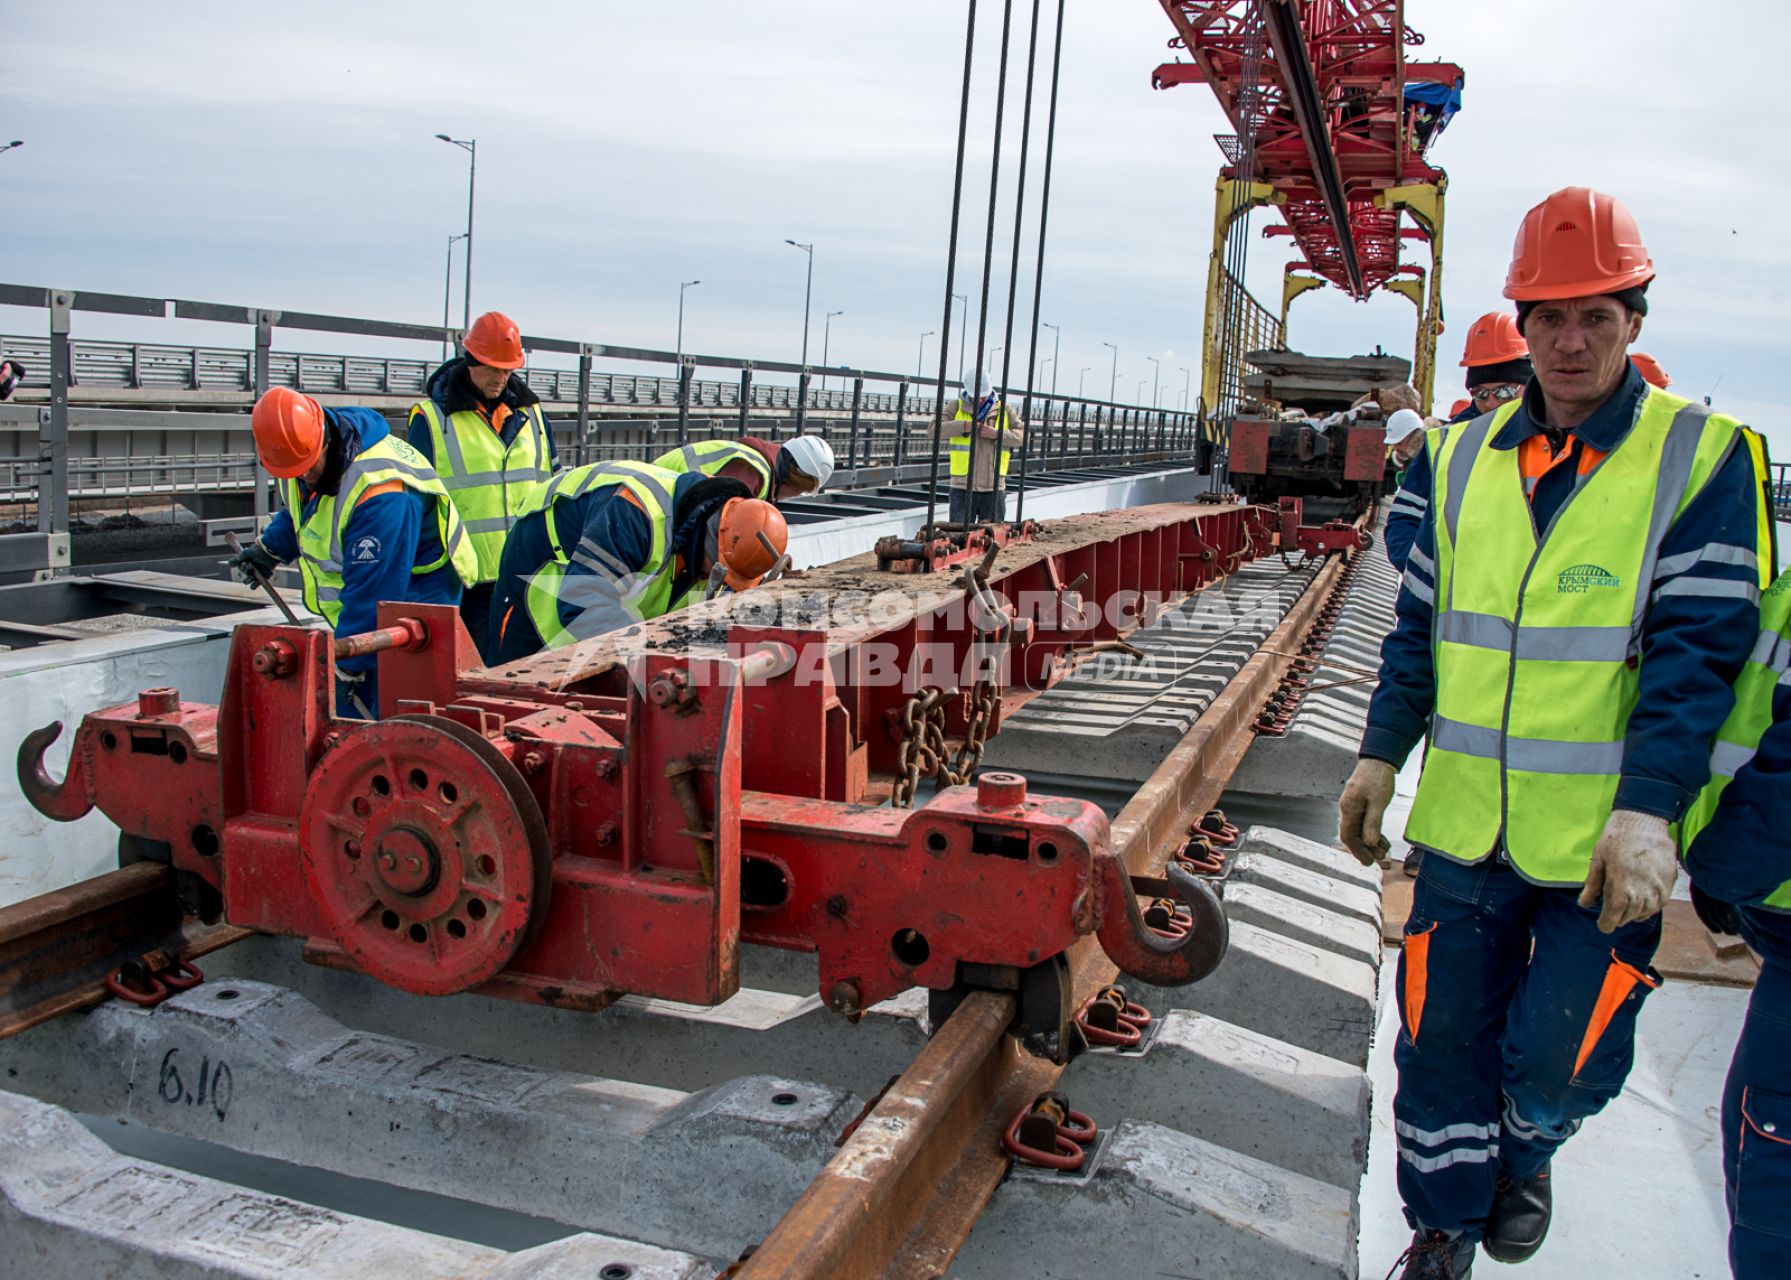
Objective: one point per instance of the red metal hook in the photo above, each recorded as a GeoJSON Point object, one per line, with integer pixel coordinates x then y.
{"type": "Point", "coordinates": [1142, 953]}
{"type": "Point", "coordinates": [63, 801]}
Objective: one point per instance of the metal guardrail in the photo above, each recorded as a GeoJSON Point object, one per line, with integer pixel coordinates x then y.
{"type": "Point", "coordinates": [142, 366]}
{"type": "Point", "coordinates": [857, 422]}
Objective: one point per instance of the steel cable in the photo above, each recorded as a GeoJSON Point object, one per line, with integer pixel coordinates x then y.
{"type": "Point", "coordinates": [974, 389]}
{"type": "Point", "coordinates": [1038, 284]}
{"type": "Point", "coordinates": [997, 479]}
{"type": "Point", "coordinates": [951, 269]}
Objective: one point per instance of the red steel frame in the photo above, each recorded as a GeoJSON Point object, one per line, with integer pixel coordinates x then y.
{"type": "Point", "coordinates": [619, 816]}
{"type": "Point", "coordinates": [1357, 56]}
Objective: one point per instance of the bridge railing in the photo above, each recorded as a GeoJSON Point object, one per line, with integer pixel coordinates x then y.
{"type": "Point", "coordinates": [873, 419]}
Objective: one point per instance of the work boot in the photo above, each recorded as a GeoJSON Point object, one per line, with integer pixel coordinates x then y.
{"type": "Point", "coordinates": [1414, 858]}
{"type": "Point", "coordinates": [1436, 1255]}
{"type": "Point", "coordinates": [1518, 1223]}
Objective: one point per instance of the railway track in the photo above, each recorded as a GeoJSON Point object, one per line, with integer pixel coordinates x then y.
{"type": "Point", "coordinates": [854, 1180]}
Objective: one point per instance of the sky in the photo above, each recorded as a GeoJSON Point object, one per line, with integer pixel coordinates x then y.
{"type": "Point", "coordinates": [284, 156]}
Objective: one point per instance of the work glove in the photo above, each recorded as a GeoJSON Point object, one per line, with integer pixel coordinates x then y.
{"type": "Point", "coordinates": [1633, 868]}
{"type": "Point", "coordinates": [1718, 916]}
{"type": "Point", "coordinates": [254, 564]}
{"type": "Point", "coordinates": [1365, 799]}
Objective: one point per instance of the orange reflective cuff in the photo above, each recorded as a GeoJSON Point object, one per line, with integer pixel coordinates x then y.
{"type": "Point", "coordinates": [504, 622]}
{"type": "Point", "coordinates": [1619, 980]}
{"type": "Point", "coordinates": [1417, 978]}
{"type": "Point", "coordinates": [374, 490]}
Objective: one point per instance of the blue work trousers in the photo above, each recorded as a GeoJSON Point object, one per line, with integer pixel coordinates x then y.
{"type": "Point", "coordinates": [990, 505]}
{"type": "Point", "coordinates": [1517, 1022]}
{"type": "Point", "coordinates": [1757, 1112]}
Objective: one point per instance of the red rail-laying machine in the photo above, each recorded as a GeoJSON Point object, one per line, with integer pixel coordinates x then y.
{"type": "Point", "coordinates": [618, 816]}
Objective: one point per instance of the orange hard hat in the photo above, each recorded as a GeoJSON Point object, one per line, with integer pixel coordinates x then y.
{"type": "Point", "coordinates": [1650, 370]}
{"type": "Point", "coordinates": [495, 340]}
{"type": "Point", "coordinates": [739, 545]}
{"type": "Point", "coordinates": [1458, 406]}
{"type": "Point", "coordinates": [290, 432]}
{"type": "Point", "coordinates": [1578, 243]}
{"type": "Point", "coordinates": [1494, 339]}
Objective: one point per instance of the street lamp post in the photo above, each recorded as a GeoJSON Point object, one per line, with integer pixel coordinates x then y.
{"type": "Point", "coordinates": [1138, 398]}
{"type": "Point", "coordinates": [808, 295]}
{"type": "Point", "coordinates": [993, 352]}
{"type": "Point", "coordinates": [1043, 361]}
{"type": "Point", "coordinates": [1082, 380]}
{"type": "Point", "coordinates": [1056, 355]}
{"type": "Point", "coordinates": [683, 285]}
{"type": "Point", "coordinates": [921, 355]}
{"type": "Point", "coordinates": [1156, 386]}
{"type": "Point", "coordinates": [1187, 386]}
{"type": "Point", "coordinates": [827, 343]}
{"type": "Point", "coordinates": [1113, 383]}
{"type": "Point", "coordinates": [471, 147]}
{"type": "Point", "coordinates": [448, 290]}
{"type": "Point", "coordinates": [16, 142]}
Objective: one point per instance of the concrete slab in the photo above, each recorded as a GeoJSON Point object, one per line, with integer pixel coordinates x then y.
{"type": "Point", "coordinates": [259, 1069]}
{"type": "Point", "coordinates": [1301, 852]}
{"type": "Point", "coordinates": [72, 1209]}
{"type": "Point", "coordinates": [1344, 897]}
{"type": "Point", "coordinates": [1282, 989]}
{"type": "Point", "coordinates": [1231, 1086]}
{"type": "Point", "coordinates": [1287, 917]}
{"type": "Point", "coordinates": [1162, 1203]}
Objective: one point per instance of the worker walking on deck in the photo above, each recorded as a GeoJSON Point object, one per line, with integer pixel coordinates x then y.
{"type": "Point", "coordinates": [488, 438]}
{"type": "Point", "coordinates": [1498, 363]}
{"type": "Point", "coordinates": [366, 518]}
{"type": "Point", "coordinates": [620, 542]}
{"type": "Point", "coordinates": [1737, 841]}
{"type": "Point", "coordinates": [1582, 593]}
{"type": "Point", "coordinates": [773, 472]}
{"type": "Point", "coordinates": [979, 497]}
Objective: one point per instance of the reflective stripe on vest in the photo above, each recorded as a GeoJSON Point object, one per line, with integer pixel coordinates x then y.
{"type": "Point", "coordinates": [710, 456]}
{"type": "Point", "coordinates": [320, 536]}
{"type": "Point", "coordinates": [489, 482]}
{"type": "Point", "coordinates": [1533, 636]}
{"type": "Point", "coordinates": [644, 594]}
{"type": "Point", "coordinates": [958, 448]}
{"type": "Point", "coordinates": [1768, 666]}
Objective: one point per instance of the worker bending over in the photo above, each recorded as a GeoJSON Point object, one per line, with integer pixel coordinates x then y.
{"type": "Point", "coordinates": [365, 517]}
{"type": "Point", "coordinates": [996, 434]}
{"type": "Point", "coordinates": [1498, 363]}
{"type": "Point", "coordinates": [619, 542]}
{"type": "Point", "coordinates": [488, 438]}
{"type": "Point", "coordinates": [771, 471]}
{"type": "Point", "coordinates": [1737, 841]}
{"type": "Point", "coordinates": [1582, 593]}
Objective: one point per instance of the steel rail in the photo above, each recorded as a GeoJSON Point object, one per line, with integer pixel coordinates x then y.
{"type": "Point", "coordinates": [56, 950]}
{"type": "Point", "coordinates": [901, 1196]}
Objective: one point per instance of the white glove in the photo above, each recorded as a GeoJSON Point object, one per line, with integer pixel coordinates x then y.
{"type": "Point", "coordinates": [1365, 799]}
{"type": "Point", "coordinates": [1633, 869]}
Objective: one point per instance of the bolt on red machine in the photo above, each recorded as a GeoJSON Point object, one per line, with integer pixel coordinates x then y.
{"type": "Point", "coordinates": [618, 816]}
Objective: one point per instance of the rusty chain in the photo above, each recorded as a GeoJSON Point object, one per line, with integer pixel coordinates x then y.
{"type": "Point", "coordinates": [922, 753]}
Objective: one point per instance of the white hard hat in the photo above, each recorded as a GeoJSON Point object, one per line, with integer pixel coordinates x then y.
{"type": "Point", "coordinates": [982, 383]}
{"type": "Point", "coordinates": [812, 456]}
{"type": "Point", "coordinates": [1402, 423]}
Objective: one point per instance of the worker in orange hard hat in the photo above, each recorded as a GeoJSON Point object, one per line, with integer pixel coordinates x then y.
{"type": "Point", "coordinates": [1650, 369]}
{"type": "Point", "coordinates": [366, 519]}
{"type": "Point", "coordinates": [489, 439]}
{"type": "Point", "coordinates": [1591, 521]}
{"type": "Point", "coordinates": [612, 543]}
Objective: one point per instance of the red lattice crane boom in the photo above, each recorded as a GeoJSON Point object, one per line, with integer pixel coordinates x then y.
{"type": "Point", "coordinates": [1332, 126]}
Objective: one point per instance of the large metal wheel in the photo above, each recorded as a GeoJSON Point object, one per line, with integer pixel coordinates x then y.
{"type": "Point", "coordinates": [425, 853]}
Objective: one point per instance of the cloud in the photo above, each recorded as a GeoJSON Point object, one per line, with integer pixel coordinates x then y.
{"type": "Point", "coordinates": [283, 156]}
